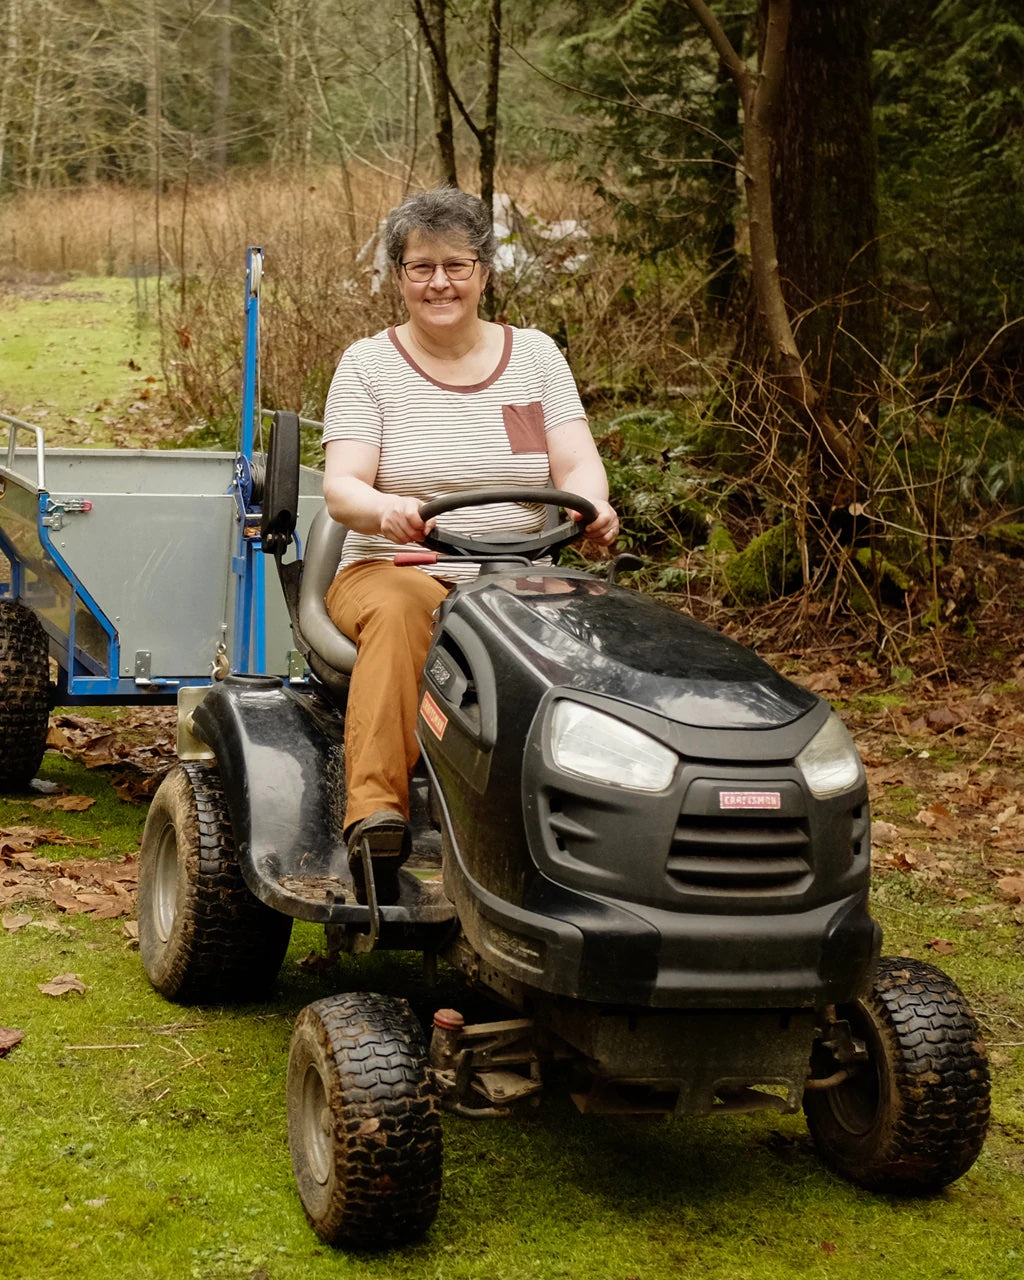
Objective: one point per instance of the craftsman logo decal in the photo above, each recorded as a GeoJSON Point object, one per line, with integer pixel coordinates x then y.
{"type": "Point", "coordinates": [750, 800]}
{"type": "Point", "coordinates": [433, 716]}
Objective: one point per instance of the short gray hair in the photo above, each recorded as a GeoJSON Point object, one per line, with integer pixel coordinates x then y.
{"type": "Point", "coordinates": [438, 214]}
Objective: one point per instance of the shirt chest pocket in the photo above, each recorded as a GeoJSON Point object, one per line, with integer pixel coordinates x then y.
{"type": "Point", "coordinates": [524, 426]}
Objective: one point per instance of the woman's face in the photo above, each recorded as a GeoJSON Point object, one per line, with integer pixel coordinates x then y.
{"type": "Point", "coordinates": [439, 304]}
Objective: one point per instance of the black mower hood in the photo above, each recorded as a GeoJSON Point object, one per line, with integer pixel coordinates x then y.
{"type": "Point", "coordinates": [581, 632]}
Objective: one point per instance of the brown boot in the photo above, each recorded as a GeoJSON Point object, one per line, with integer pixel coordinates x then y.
{"type": "Point", "coordinates": [387, 834]}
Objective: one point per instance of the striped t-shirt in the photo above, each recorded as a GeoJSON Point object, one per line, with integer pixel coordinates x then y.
{"type": "Point", "coordinates": [436, 439]}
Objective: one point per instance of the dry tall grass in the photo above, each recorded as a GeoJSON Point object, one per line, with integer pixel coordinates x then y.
{"type": "Point", "coordinates": [623, 323]}
{"type": "Point", "coordinates": [118, 230]}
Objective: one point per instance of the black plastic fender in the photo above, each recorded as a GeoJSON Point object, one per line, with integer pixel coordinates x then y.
{"type": "Point", "coordinates": [280, 756]}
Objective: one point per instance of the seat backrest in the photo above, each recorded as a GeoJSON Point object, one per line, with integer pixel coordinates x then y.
{"type": "Point", "coordinates": [322, 553]}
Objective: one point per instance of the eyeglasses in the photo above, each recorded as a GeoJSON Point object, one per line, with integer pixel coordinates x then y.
{"type": "Point", "coordinates": [454, 269]}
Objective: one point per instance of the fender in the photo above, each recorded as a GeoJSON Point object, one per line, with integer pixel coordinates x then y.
{"type": "Point", "coordinates": [282, 768]}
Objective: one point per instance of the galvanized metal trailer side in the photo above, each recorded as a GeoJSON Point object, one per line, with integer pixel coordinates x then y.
{"type": "Point", "coordinates": [130, 560]}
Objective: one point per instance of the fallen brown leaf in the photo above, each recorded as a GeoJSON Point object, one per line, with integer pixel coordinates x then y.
{"type": "Point", "coordinates": [21, 889]}
{"type": "Point", "coordinates": [941, 821]}
{"type": "Point", "coordinates": [66, 804]}
{"type": "Point", "coordinates": [940, 719]}
{"type": "Point", "coordinates": [17, 841]}
{"type": "Point", "coordinates": [135, 788]}
{"type": "Point", "coordinates": [64, 896]}
{"type": "Point", "coordinates": [26, 862]}
{"type": "Point", "coordinates": [941, 946]}
{"type": "Point", "coordinates": [13, 923]}
{"type": "Point", "coordinates": [141, 763]}
{"type": "Point", "coordinates": [883, 832]}
{"type": "Point", "coordinates": [101, 888]}
{"type": "Point", "coordinates": [9, 1038]}
{"type": "Point", "coordinates": [103, 906]}
{"type": "Point", "coordinates": [823, 682]}
{"type": "Point", "coordinates": [95, 871]}
{"type": "Point", "coordinates": [1012, 886]}
{"type": "Point", "coordinates": [64, 984]}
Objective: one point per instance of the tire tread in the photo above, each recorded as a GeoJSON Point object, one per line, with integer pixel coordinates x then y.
{"type": "Point", "coordinates": [230, 944]}
{"type": "Point", "coordinates": [931, 1127]}
{"type": "Point", "coordinates": [386, 1183]}
{"type": "Point", "coordinates": [24, 694]}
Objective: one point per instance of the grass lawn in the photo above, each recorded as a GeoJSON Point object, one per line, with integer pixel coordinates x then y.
{"type": "Point", "coordinates": [141, 1139]}
{"type": "Point", "coordinates": [81, 359]}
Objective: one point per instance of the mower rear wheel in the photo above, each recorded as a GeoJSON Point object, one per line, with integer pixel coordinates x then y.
{"type": "Point", "coordinates": [913, 1117]}
{"type": "Point", "coordinates": [204, 937]}
{"type": "Point", "coordinates": [24, 694]}
{"type": "Point", "coordinates": [363, 1122]}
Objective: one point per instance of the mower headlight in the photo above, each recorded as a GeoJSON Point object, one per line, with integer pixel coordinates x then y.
{"type": "Point", "coordinates": [597, 746]}
{"type": "Point", "coordinates": [830, 763]}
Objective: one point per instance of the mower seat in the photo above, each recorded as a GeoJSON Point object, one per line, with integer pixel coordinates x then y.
{"type": "Point", "coordinates": [331, 654]}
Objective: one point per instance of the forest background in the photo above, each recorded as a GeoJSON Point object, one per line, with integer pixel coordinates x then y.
{"type": "Point", "coordinates": [856, 402]}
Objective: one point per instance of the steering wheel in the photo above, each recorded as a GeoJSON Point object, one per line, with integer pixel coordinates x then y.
{"type": "Point", "coordinates": [507, 542]}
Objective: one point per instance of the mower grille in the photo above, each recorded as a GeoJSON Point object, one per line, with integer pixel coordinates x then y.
{"type": "Point", "coordinates": [739, 854]}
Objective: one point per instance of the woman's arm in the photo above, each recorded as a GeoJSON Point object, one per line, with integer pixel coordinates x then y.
{"type": "Point", "coordinates": [350, 468]}
{"type": "Point", "coordinates": [576, 466]}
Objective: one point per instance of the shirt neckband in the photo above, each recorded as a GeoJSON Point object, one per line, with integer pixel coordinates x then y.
{"type": "Point", "coordinates": [492, 377]}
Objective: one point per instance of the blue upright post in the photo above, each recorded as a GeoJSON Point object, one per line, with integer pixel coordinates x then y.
{"type": "Point", "coordinates": [249, 648]}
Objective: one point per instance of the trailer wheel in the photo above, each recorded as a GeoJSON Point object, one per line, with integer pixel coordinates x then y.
{"type": "Point", "coordinates": [24, 694]}
{"type": "Point", "coordinates": [363, 1122]}
{"type": "Point", "coordinates": [204, 937]}
{"type": "Point", "coordinates": [913, 1118]}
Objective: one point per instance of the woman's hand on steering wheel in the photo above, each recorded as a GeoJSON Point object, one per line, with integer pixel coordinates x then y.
{"type": "Point", "coordinates": [605, 528]}
{"type": "Point", "coordinates": [400, 519]}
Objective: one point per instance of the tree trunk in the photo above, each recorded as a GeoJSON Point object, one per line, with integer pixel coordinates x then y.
{"type": "Point", "coordinates": [154, 108]}
{"type": "Point", "coordinates": [833, 444]}
{"type": "Point", "coordinates": [489, 133]}
{"type": "Point", "coordinates": [7, 83]}
{"type": "Point", "coordinates": [826, 212]}
{"type": "Point", "coordinates": [432, 16]}
{"type": "Point", "coordinates": [722, 283]}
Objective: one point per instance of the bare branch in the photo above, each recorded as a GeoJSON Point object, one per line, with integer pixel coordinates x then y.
{"type": "Point", "coordinates": [441, 63]}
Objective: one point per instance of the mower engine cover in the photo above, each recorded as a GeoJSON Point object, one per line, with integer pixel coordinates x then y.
{"type": "Point", "coordinates": [637, 810]}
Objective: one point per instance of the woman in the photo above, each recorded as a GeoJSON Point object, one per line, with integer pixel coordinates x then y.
{"type": "Point", "coordinates": [444, 402]}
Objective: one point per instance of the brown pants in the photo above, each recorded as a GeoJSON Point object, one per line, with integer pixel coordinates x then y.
{"type": "Point", "coordinates": [388, 611]}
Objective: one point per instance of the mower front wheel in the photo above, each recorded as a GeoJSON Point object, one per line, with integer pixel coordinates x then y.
{"type": "Point", "coordinates": [912, 1118]}
{"type": "Point", "coordinates": [24, 694]}
{"type": "Point", "coordinates": [203, 935]}
{"type": "Point", "coordinates": [363, 1122]}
